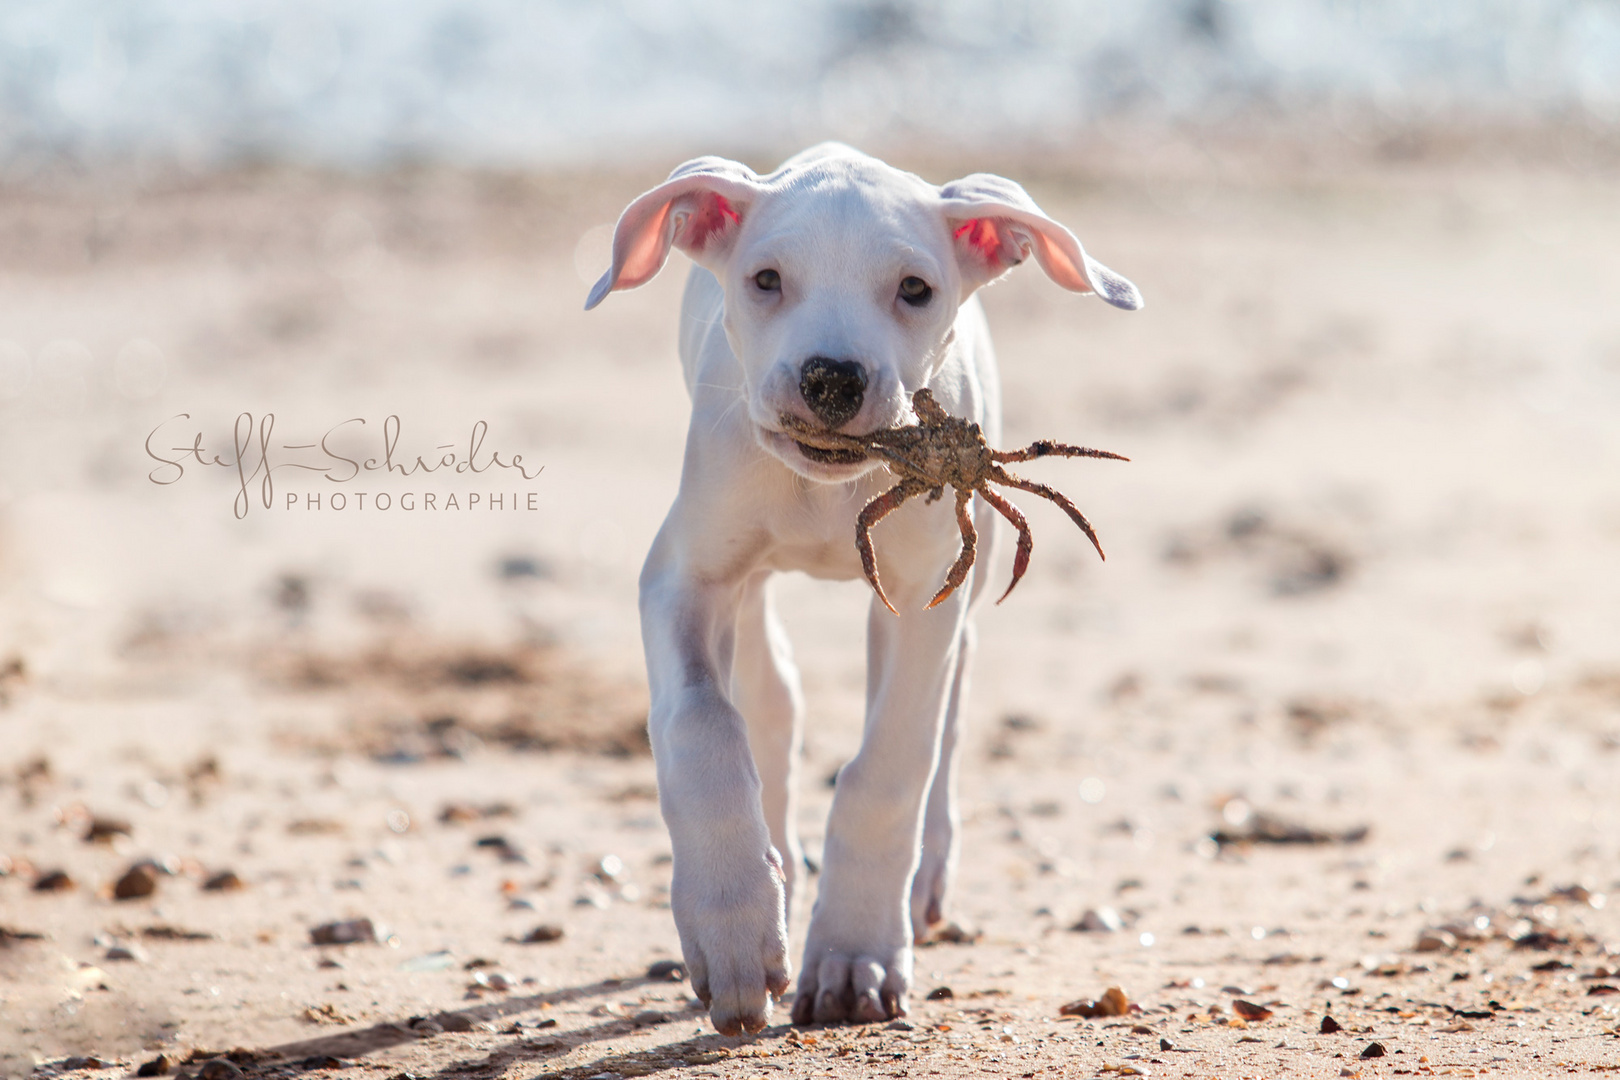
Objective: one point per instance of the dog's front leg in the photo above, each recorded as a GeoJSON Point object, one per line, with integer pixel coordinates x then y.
{"type": "Point", "coordinates": [941, 840]}
{"type": "Point", "coordinates": [727, 894]}
{"type": "Point", "coordinates": [765, 688]}
{"type": "Point", "coordinates": [941, 843]}
{"type": "Point", "coordinates": [858, 959]}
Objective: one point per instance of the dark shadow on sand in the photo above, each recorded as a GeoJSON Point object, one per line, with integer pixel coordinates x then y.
{"type": "Point", "coordinates": [352, 1044]}
{"type": "Point", "coordinates": [698, 1051]}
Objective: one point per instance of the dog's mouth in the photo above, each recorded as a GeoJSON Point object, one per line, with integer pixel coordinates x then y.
{"type": "Point", "coordinates": [830, 457]}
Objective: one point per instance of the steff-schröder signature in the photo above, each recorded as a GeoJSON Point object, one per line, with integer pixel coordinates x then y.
{"type": "Point", "coordinates": [334, 466]}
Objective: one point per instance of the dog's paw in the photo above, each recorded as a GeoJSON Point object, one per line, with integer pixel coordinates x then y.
{"type": "Point", "coordinates": [734, 938]}
{"type": "Point", "coordinates": [863, 986]}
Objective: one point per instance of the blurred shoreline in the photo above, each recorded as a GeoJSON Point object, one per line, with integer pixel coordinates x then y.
{"type": "Point", "coordinates": [1251, 150]}
{"type": "Point", "coordinates": [547, 83]}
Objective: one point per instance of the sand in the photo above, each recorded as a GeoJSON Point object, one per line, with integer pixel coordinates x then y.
{"type": "Point", "coordinates": [1362, 575]}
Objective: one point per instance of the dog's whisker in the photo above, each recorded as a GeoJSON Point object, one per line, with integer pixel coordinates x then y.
{"type": "Point", "coordinates": [723, 414]}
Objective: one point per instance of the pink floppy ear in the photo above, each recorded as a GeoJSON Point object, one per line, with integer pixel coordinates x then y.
{"type": "Point", "coordinates": [698, 209]}
{"type": "Point", "coordinates": [995, 225]}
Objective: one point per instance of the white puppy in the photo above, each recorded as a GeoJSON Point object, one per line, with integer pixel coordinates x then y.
{"type": "Point", "coordinates": [829, 290]}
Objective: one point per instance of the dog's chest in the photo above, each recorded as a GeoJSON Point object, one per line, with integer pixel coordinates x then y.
{"type": "Point", "coordinates": [828, 560]}
{"type": "Point", "coordinates": [813, 529]}
{"type": "Point", "coordinates": [815, 533]}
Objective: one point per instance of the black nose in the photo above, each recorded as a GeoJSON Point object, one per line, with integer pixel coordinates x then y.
{"type": "Point", "coordinates": [832, 388]}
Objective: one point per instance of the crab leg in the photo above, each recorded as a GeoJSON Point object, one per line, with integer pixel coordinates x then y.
{"type": "Point", "coordinates": [1026, 542]}
{"type": "Point", "coordinates": [970, 545]}
{"type": "Point", "coordinates": [1046, 448]}
{"type": "Point", "coordinates": [1005, 477]}
{"type": "Point", "coordinates": [874, 512]}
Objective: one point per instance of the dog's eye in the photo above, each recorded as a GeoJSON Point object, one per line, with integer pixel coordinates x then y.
{"type": "Point", "coordinates": [768, 280]}
{"type": "Point", "coordinates": [915, 291]}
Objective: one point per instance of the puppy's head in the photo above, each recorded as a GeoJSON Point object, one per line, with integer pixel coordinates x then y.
{"type": "Point", "coordinates": [842, 279]}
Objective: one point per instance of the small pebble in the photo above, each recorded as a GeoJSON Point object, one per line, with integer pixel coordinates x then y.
{"type": "Point", "coordinates": [55, 881]}
{"type": "Point", "coordinates": [1250, 1011]}
{"type": "Point", "coordinates": [124, 952]}
{"type": "Point", "coordinates": [441, 960]}
{"type": "Point", "coordinates": [219, 1069]}
{"type": "Point", "coordinates": [483, 980]}
{"type": "Point", "coordinates": [104, 830]}
{"type": "Point", "coordinates": [1374, 1050]}
{"type": "Point", "coordinates": [543, 933]}
{"type": "Point", "coordinates": [1330, 1026]}
{"type": "Point", "coordinates": [457, 813]}
{"type": "Point", "coordinates": [224, 881]}
{"type": "Point", "coordinates": [502, 847]}
{"type": "Point", "coordinates": [1112, 1003]}
{"type": "Point", "coordinates": [138, 881]}
{"type": "Point", "coordinates": [314, 827]}
{"type": "Point", "coordinates": [158, 1066]}
{"type": "Point", "coordinates": [1165, 1046]}
{"type": "Point", "coordinates": [522, 566]}
{"type": "Point", "coordinates": [347, 932]}
{"type": "Point", "coordinates": [666, 970]}
{"type": "Point", "coordinates": [940, 993]}
{"type": "Point", "coordinates": [1435, 941]}
{"type": "Point", "coordinates": [454, 1021]}
{"type": "Point", "coordinates": [1099, 921]}
{"type": "Point", "coordinates": [649, 1017]}
{"type": "Point", "coordinates": [164, 932]}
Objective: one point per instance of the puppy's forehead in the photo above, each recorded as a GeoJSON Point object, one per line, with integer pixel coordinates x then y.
{"type": "Point", "coordinates": [850, 197]}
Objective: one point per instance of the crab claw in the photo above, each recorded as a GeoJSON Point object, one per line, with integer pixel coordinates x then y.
{"type": "Point", "coordinates": [1026, 541]}
{"type": "Point", "coordinates": [1062, 500]}
{"type": "Point", "coordinates": [874, 512]}
{"type": "Point", "coordinates": [970, 545]}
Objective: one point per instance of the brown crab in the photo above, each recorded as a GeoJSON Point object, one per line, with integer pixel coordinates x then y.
{"type": "Point", "coordinates": [942, 449]}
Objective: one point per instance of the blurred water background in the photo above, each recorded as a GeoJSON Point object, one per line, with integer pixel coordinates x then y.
{"type": "Point", "coordinates": [208, 83]}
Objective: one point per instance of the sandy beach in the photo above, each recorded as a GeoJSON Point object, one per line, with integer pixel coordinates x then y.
{"type": "Point", "coordinates": [1334, 732]}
